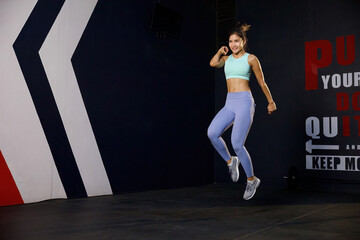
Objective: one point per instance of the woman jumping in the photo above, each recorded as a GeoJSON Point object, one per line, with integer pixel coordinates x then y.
{"type": "Point", "coordinates": [239, 108]}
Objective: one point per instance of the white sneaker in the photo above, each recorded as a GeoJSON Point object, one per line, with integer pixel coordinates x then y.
{"type": "Point", "coordinates": [234, 169]}
{"type": "Point", "coordinates": [251, 188]}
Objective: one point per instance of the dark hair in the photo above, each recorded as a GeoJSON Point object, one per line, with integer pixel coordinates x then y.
{"type": "Point", "coordinates": [241, 30]}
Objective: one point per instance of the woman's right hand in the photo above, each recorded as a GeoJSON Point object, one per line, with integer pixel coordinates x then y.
{"type": "Point", "coordinates": [223, 50]}
{"type": "Point", "coordinates": [218, 60]}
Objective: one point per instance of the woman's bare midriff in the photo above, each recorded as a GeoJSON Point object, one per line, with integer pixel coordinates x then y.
{"type": "Point", "coordinates": [237, 85]}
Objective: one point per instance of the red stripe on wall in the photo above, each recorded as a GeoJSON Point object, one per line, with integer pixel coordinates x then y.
{"type": "Point", "coordinates": [9, 193]}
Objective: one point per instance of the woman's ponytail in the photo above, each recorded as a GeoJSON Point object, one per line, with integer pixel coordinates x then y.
{"type": "Point", "coordinates": [244, 27]}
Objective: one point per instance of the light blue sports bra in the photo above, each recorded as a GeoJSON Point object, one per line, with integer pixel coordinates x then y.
{"type": "Point", "coordinates": [237, 67]}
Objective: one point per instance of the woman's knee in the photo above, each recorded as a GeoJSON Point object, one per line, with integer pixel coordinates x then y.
{"type": "Point", "coordinates": [212, 133]}
{"type": "Point", "coordinates": [238, 146]}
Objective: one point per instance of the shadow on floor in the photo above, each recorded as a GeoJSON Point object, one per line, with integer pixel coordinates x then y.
{"type": "Point", "coordinates": [208, 212]}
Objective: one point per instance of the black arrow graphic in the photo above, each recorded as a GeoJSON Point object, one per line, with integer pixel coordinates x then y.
{"type": "Point", "coordinates": [27, 46]}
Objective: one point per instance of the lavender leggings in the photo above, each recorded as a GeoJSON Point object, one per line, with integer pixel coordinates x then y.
{"type": "Point", "coordinates": [239, 110]}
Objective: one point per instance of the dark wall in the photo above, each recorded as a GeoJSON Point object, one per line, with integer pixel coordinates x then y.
{"type": "Point", "coordinates": [149, 100]}
{"type": "Point", "coordinates": [277, 37]}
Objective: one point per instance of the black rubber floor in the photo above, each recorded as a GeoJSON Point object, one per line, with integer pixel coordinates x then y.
{"type": "Point", "coordinates": [208, 212]}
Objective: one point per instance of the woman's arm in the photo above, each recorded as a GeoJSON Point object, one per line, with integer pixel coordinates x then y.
{"type": "Point", "coordinates": [219, 58]}
{"type": "Point", "coordinates": [256, 67]}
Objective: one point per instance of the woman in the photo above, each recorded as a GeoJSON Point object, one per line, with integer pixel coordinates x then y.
{"type": "Point", "coordinates": [239, 107]}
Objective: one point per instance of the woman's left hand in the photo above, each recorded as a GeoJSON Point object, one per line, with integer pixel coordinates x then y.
{"type": "Point", "coordinates": [271, 107]}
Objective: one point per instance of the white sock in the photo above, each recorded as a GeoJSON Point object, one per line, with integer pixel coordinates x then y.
{"type": "Point", "coordinates": [251, 181]}
{"type": "Point", "coordinates": [231, 163]}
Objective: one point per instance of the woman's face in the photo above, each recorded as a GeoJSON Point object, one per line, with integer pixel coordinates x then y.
{"type": "Point", "coordinates": [236, 43]}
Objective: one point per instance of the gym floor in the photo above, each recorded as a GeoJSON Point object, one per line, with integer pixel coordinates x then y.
{"type": "Point", "coordinates": [208, 212]}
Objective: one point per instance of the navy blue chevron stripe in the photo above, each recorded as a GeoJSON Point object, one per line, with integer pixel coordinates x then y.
{"type": "Point", "coordinates": [27, 46]}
